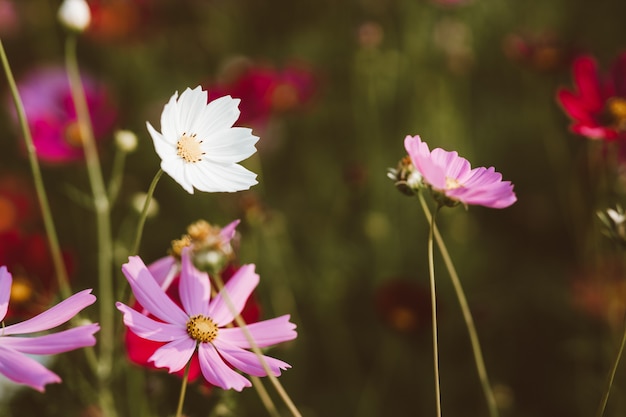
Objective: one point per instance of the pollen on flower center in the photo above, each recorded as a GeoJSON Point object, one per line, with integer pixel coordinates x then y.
{"type": "Point", "coordinates": [617, 109]}
{"type": "Point", "coordinates": [452, 183]}
{"type": "Point", "coordinates": [202, 328]}
{"type": "Point", "coordinates": [188, 148]}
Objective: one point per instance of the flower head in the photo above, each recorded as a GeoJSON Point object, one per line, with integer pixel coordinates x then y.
{"type": "Point", "coordinates": [52, 118]}
{"type": "Point", "coordinates": [75, 14]}
{"type": "Point", "coordinates": [199, 324]}
{"type": "Point", "coordinates": [598, 105]}
{"type": "Point", "coordinates": [453, 180]}
{"type": "Point", "coordinates": [14, 362]}
{"type": "Point", "coordinates": [198, 145]}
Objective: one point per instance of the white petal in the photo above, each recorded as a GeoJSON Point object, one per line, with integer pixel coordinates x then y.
{"type": "Point", "coordinates": [232, 145]}
{"type": "Point", "coordinates": [220, 114]}
{"type": "Point", "coordinates": [191, 105]}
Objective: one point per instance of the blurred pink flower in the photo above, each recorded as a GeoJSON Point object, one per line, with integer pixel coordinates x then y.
{"type": "Point", "coordinates": [200, 324]}
{"type": "Point", "coordinates": [452, 177]}
{"type": "Point", "coordinates": [51, 116]}
{"type": "Point", "coordinates": [14, 362]}
{"type": "Point", "coordinates": [264, 90]}
{"type": "Point", "coordinates": [597, 106]}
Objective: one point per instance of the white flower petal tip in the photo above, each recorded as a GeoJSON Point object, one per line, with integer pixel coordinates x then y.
{"type": "Point", "coordinates": [198, 145]}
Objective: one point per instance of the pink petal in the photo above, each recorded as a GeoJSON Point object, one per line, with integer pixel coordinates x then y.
{"type": "Point", "coordinates": [237, 289]}
{"type": "Point", "coordinates": [228, 232]}
{"type": "Point", "coordinates": [150, 329]}
{"type": "Point", "coordinates": [54, 316]}
{"type": "Point", "coordinates": [174, 355]}
{"type": "Point", "coordinates": [217, 372]}
{"type": "Point", "coordinates": [247, 361]}
{"type": "Point", "coordinates": [52, 344]}
{"type": "Point", "coordinates": [5, 291]}
{"type": "Point", "coordinates": [194, 287]}
{"type": "Point", "coordinates": [265, 333]}
{"type": "Point", "coordinates": [21, 369]}
{"type": "Point", "coordinates": [164, 271]}
{"type": "Point", "coordinates": [587, 81]}
{"type": "Point", "coordinates": [150, 295]}
{"type": "Point", "coordinates": [574, 106]}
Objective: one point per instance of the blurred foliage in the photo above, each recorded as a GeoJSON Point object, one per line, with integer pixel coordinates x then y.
{"type": "Point", "coordinates": [325, 226]}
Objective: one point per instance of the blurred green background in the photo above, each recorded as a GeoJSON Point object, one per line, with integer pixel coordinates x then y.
{"type": "Point", "coordinates": [336, 245]}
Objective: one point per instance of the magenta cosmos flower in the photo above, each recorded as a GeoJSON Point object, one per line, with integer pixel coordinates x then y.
{"type": "Point", "coordinates": [14, 362]}
{"type": "Point", "coordinates": [199, 326]}
{"type": "Point", "coordinates": [452, 177]}
{"type": "Point", "coordinates": [597, 107]}
{"type": "Point", "coordinates": [51, 116]}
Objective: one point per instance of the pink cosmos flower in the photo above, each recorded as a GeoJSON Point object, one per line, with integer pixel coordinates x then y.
{"type": "Point", "coordinates": [200, 324]}
{"type": "Point", "coordinates": [598, 105]}
{"type": "Point", "coordinates": [14, 362]}
{"type": "Point", "coordinates": [452, 177]}
{"type": "Point", "coordinates": [51, 116]}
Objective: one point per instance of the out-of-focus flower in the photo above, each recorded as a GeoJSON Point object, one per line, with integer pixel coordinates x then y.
{"type": "Point", "coordinates": [14, 364]}
{"type": "Point", "coordinates": [597, 107]}
{"type": "Point", "coordinates": [264, 91]}
{"type": "Point", "coordinates": [74, 15]}
{"type": "Point", "coordinates": [542, 52]}
{"type": "Point", "coordinates": [138, 200]}
{"type": "Point", "coordinates": [200, 324]}
{"type": "Point", "coordinates": [34, 282]}
{"type": "Point", "coordinates": [52, 118]}
{"type": "Point", "coordinates": [614, 221]}
{"type": "Point", "coordinates": [454, 38]}
{"type": "Point", "coordinates": [403, 305]}
{"type": "Point", "coordinates": [453, 181]}
{"type": "Point", "coordinates": [198, 145]}
{"type": "Point", "coordinates": [126, 140]}
{"type": "Point", "coordinates": [370, 35]}
{"type": "Point", "coordinates": [9, 21]}
{"type": "Point", "coordinates": [18, 204]}
{"type": "Point", "coordinates": [119, 20]}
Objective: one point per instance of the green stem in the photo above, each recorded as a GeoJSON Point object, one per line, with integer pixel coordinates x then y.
{"type": "Point", "coordinates": [144, 212]}
{"type": "Point", "coordinates": [53, 241]}
{"type": "Point", "coordinates": [605, 397]}
{"type": "Point", "coordinates": [433, 299]}
{"type": "Point", "coordinates": [103, 226]}
{"type": "Point", "coordinates": [117, 171]}
{"type": "Point", "coordinates": [255, 348]}
{"type": "Point", "coordinates": [467, 316]}
{"type": "Point", "coordinates": [183, 390]}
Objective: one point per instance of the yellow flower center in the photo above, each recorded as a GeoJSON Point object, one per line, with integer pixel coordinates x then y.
{"type": "Point", "coordinates": [202, 329]}
{"type": "Point", "coordinates": [188, 148]}
{"type": "Point", "coordinates": [73, 135]}
{"type": "Point", "coordinates": [617, 109]}
{"type": "Point", "coordinates": [21, 290]}
{"type": "Point", "coordinates": [452, 183]}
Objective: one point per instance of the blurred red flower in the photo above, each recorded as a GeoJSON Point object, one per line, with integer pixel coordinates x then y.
{"type": "Point", "coordinates": [597, 107]}
{"type": "Point", "coordinates": [51, 116]}
{"type": "Point", "coordinates": [18, 206]}
{"type": "Point", "coordinates": [119, 20]}
{"type": "Point", "coordinates": [34, 281]}
{"type": "Point", "coordinates": [140, 350]}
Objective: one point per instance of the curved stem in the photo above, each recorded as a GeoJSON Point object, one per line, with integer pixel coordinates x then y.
{"type": "Point", "coordinates": [433, 299]}
{"type": "Point", "coordinates": [103, 226]}
{"type": "Point", "coordinates": [605, 397]}
{"type": "Point", "coordinates": [53, 241]}
{"type": "Point", "coordinates": [467, 316]}
{"type": "Point", "coordinates": [255, 348]}
{"type": "Point", "coordinates": [144, 212]}
{"type": "Point", "coordinates": [183, 390]}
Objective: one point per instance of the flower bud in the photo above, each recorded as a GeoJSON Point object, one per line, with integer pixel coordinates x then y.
{"type": "Point", "coordinates": [126, 140]}
{"type": "Point", "coordinates": [406, 178]}
{"type": "Point", "coordinates": [74, 15]}
{"type": "Point", "coordinates": [614, 222]}
{"type": "Point", "coordinates": [139, 200]}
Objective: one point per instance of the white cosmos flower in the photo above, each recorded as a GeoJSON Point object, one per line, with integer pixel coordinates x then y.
{"type": "Point", "coordinates": [198, 145]}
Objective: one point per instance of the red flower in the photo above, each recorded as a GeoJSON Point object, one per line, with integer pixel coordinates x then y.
{"type": "Point", "coordinates": [34, 282]}
{"type": "Point", "coordinates": [18, 206]}
{"type": "Point", "coordinates": [598, 106]}
{"type": "Point", "coordinates": [140, 350]}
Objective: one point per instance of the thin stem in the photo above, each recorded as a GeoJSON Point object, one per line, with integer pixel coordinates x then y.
{"type": "Point", "coordinates": [103, 226]}
{"type": "Point", "coordinates": [117, 171]}
{"type": "Point", "coordinates": [609, 385]}
{"type": "Point", "coordinates": [467, 316]}
{"type": "Point", "coordinates": [53, 241]}
{"type": "Point", "coordinates": [183, 390]}
{"type": "Point", "coordinates": [433, 299]}
{"type": "Point", "coordinates": [255, 348]}
{"type": "Point", "coordinates": [144, 212]}
{"type": "Point", "coordinates": [264, 396]}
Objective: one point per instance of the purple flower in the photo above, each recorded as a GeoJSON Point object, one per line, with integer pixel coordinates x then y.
{"type": "Point", "coordinates": [452, 177]}
{"type": "Point", "coordinates": [52, 118]}
{"type": "Point", "coordinates": [201, 324]}
{"type": "Point", "coordinates": [14, 362]}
